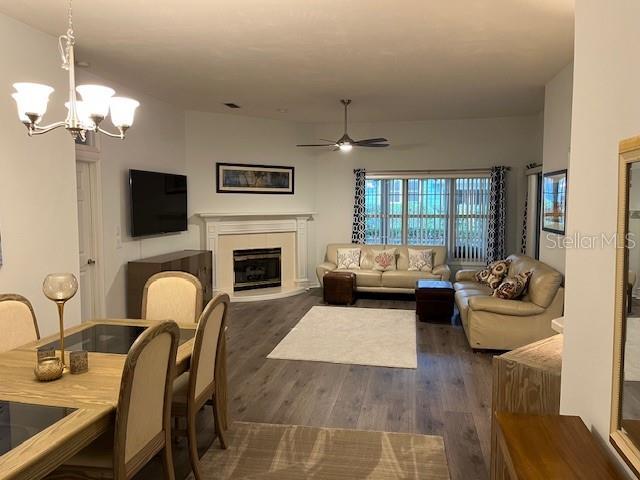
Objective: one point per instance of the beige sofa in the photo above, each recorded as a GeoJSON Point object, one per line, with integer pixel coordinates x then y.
{"type": "Point", "coordinates": [494, 323]}
{"type": "Point", "coordinates": [394, 281]}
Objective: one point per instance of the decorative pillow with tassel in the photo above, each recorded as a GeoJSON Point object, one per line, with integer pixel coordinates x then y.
{"type": "Point", "coordinates": [513, 288]}
{"type": "Point", "coordinates": [494, 273]}
{"type": "Point", "coordinates": [420, 260]}
{"type": "Point", "coordinates": [348, 259]}
{"type": "Point", "coordinates": [384, 260]}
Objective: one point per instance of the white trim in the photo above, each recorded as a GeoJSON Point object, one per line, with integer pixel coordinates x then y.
{"type": "Point", "coordinates": [407, 174]}
{"type": "Point", "coordinates": [92, 158]}
{"type": "Point", "coordinates": [92, 149]}
{"type": "Point", "coordinates": [268, 294]}
{"type": "Point", "coordinates": [246, 215]}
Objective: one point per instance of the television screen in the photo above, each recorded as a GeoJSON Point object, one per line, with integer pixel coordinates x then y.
{"type": "Point", "coordinates": [158, 203]}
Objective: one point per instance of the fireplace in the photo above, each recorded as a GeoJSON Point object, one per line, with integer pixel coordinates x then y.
{"type": "Point", "coordinates": [256, 268]}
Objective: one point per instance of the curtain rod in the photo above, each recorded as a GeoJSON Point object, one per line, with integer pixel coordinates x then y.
{"type": "Point", "coordinates": [452, 170]}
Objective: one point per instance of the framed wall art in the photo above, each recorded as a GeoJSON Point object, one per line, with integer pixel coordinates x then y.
{"type": "Point", "coordinates": [554, 201]}
{"type": "Point", "coordinates": [247, 178]}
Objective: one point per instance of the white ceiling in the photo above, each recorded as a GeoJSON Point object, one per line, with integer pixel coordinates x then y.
{"type": "Point", "coordinates": [397, 59]}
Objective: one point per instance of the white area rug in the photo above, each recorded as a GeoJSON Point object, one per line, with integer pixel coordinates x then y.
{"type": "Point", "coordinates": [361, 336]}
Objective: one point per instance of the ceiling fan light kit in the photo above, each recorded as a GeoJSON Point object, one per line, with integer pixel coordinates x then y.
{"type": "Point", "coordinates": [346, 143]}
{"type": "Point", "coordinates": [83, 115]}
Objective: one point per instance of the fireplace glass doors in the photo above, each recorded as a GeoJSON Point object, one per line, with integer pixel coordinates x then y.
{"type": "Point", "coordinates": [256, 268]}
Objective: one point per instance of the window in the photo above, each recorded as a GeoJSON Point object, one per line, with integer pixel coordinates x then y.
{"type": "Point", "coordinates": [384, 211]}
{"type": "Point", "coordinates": [430, 211]}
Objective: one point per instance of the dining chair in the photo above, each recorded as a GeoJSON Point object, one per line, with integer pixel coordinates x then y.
{"type": "Point", "coordinates": [143, 415]}
{"type": "Point", "coordinates": [18, 322]}
{"type": "Point", "coordinates": [172, 296]}
{"type": "Point", "coordinates": [193, 389]}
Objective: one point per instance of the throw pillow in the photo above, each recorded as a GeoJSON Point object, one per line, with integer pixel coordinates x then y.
{"type": "Point", "coordinates": [420, 260]}
{"type": "Point", "coordinates": [494, 273]}
{"type": "Point", "coordinates": [348, 259]}
{"type": "Point", "coordinates": [384, 260]}
{"type": "Point", "coordinates": [513, 288]}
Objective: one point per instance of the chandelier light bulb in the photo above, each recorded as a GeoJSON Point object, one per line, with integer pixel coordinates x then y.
{"type": "Point", "coordinates": [83, 115]}
{"type": "Point", "coordinates": [122, 111]}
{"type": "Point", "coordinates": [31, 99]}
{"type": "Point", "coordinates": [96, 99]}
{"type": "Point", "coordinates": [346, 147]}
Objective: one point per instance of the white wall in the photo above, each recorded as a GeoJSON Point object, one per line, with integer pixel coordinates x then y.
{"type": "Point", "coordinates": [556, 146]}
{"type": "Point", "coordinates": [212, 138]}
{"type": "Point", "coordinates": [156, 142]}
{"type": "Point", "coordinates": [166, 139]}
{"type": "Point", "coordinates": [38, 212]}
{"type": "Point", "coordinates": [443, 144]}
{"type": "Point", "coordinates": [606, 109]}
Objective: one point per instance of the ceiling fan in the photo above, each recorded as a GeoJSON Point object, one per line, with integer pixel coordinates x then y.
{"type": "Point", "coordinates": [346, 143]}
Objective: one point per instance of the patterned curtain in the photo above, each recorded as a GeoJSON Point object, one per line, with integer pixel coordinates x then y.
{"type": "Point", "coordinates": [497, 215]}
{"type": "Point", "coordinates": [523, 238]}
{"type": "Point", "coordinates": [359, 219]}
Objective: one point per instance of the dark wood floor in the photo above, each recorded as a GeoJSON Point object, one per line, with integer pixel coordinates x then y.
{"type": "Point", "coordinates": [449, 394]}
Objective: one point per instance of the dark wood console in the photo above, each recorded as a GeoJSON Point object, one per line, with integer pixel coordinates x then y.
{"type": "Point", "coordinates": [195, 262]}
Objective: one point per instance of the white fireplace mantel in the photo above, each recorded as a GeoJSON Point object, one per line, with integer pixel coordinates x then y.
{"type": "Point", "coordinates": [225, 223]}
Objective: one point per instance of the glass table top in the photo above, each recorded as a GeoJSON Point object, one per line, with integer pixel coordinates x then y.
{"type": "Point", "coordinates": [108, 338]}
{"type": "Point", "coordinates": [21, 421]}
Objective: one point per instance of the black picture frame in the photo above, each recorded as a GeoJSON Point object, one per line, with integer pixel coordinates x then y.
{"type": "Point", "coordinates": [554, 201]}
{"type": "Point", "coordinates": [276, 179]}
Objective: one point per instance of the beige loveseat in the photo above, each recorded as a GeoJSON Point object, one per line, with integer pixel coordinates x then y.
{"type": "Point", "coordinates": [494, 323]}
{"type": "Point", "coordinates": [393, 281]}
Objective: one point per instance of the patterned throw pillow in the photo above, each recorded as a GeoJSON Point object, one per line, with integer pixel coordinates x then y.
{"type": "Point", "coordinates": [513, 288]}
{"type": "Point", "coordinates": [494, 273]}
{"type": "Point", "coordinates": [348, 259]}
{"type": "Point", "coordinates": [420, 260]}
{"type": "Point", "coordinates": [384, 260]}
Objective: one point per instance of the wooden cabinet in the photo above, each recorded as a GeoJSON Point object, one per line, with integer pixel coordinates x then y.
{"type": "Point", "coordinates": [195, 262]}
{"type": "Point", "coordinates": [549, 447]}
{"type": "Point", "coordinates": [525, 381]}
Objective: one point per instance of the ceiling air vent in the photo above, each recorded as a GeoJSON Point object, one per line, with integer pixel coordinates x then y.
{"type": "Point", "coordinates": [232, 105]}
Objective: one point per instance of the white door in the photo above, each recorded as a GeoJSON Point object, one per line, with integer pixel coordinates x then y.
{"type": "Point", "coordinates": [87, 234]}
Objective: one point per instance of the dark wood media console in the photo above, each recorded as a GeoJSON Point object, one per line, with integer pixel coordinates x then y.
{"type": "Point", "coordinates": [195, 262]}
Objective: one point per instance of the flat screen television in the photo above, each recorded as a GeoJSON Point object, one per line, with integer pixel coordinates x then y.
{"type": "Point", "coordinates": [158, 203]}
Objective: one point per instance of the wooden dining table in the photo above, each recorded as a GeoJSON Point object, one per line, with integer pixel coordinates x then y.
{"type": "Point", "coordinates": [88, 399]}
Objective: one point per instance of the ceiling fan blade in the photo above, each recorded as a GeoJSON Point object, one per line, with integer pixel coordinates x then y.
{"type": "Point", "coordinates": [373, 145]}
{"type": "Point", "coordinates": [318, 145]}
{"type": "Point", "coordinates": [370, 140]}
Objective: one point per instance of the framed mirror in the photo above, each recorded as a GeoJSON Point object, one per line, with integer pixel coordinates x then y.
{"type": "Point", "coordinates": [625, 404]}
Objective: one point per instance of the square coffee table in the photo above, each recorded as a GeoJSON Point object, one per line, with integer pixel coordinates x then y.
{"type": "Point", "coordinates": [434, 301]}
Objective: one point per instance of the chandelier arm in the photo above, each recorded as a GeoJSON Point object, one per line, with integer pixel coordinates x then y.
{"type": "Point", "coordinates": [113, 135]}
{"type": "Point", "coordinates": [38, 130]}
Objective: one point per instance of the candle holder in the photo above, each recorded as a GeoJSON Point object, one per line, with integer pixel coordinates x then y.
{"type": "Point", "coordinates": [60, 288]}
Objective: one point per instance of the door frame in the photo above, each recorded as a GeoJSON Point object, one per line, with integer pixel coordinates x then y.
{"type": "Point", "coordinates": [92, 158]}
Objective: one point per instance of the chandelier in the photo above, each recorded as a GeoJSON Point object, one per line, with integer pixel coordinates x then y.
{"type": "Point", "coordinates": [84, 115]}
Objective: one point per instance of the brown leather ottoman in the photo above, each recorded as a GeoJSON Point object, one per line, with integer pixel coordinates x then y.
{"type": "Point", "coordinates": [434, 301]}
{"type": "Point", "coordinates": [340, 288]}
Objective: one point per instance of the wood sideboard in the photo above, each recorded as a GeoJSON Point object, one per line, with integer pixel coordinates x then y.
{"type": "Point", "coordinates": [195, 262]}
{"type": "Point", "coordinates": [525, 381]}
{"type": "Point", "coordinates": [551, 447]}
